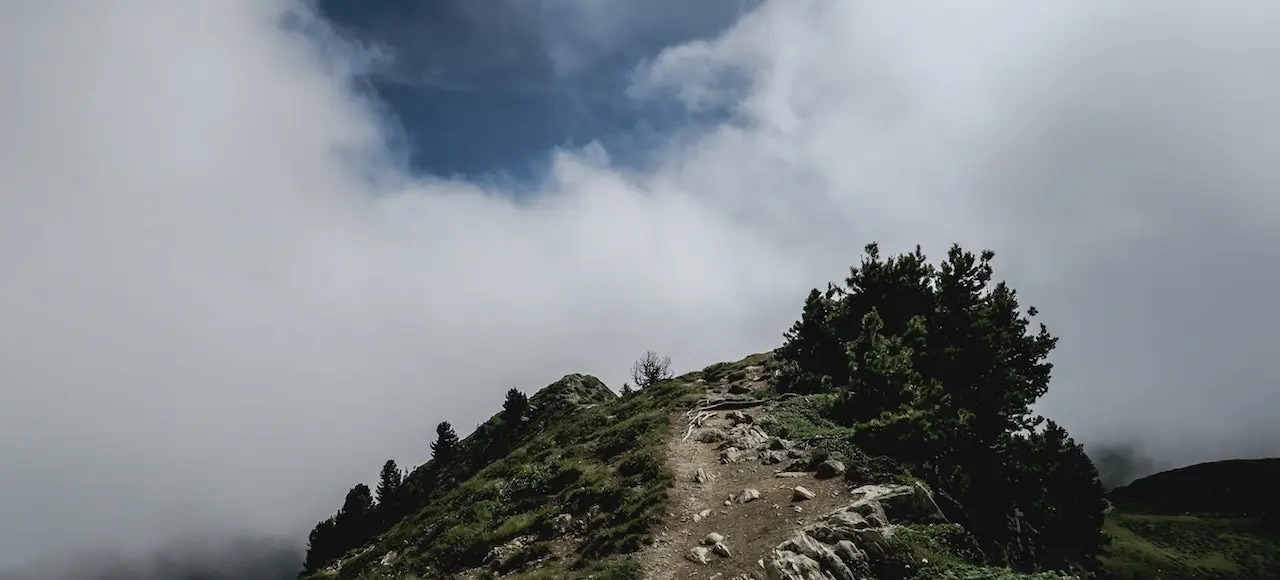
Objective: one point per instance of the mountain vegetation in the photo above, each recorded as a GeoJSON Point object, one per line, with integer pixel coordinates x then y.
{"type": "Point", "coordinates": [906, 374]}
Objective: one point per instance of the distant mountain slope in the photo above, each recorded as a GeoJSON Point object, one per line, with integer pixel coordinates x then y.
{"type": "Point", "coordinates": [1214, 520]}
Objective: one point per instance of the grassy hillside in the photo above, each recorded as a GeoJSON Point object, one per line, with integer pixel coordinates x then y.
{"type": "Point", "coordinates": [582, 452]}
{"type": "Point", "coordinates": [1209, 521]}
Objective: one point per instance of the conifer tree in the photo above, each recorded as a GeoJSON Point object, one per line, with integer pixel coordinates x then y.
{"type": "Point", "coordinates": [445, 444]}
{"type": "Point", "coordinates": [389, 481]}
{"type": "Point", "coordinates": [513, 409]}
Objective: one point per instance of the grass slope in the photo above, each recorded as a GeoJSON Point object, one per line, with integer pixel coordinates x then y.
{"type": "Point", "coordinates": [1208, 521]}
{"type": "Point", "coordinates": [583, 452]}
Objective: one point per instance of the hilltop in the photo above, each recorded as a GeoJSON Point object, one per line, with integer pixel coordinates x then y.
{"type": "Point", "coordinates": [890, 436]}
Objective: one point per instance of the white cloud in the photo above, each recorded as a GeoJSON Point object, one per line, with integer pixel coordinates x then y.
{"type": "Point", "coordinates": [213, 317]}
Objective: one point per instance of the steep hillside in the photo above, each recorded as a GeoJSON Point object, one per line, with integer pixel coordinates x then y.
{"type": "Point", "coordinates": [1209, 521]}
{"type": "Point", "coordinates": [890, 436]}
{"type": "Point", "coordinates": [688, 478]}
{"type": "Point", "coordinates": [575, 484]}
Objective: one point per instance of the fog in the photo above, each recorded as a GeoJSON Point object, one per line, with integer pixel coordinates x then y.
{"type": "Point", "coordinates": [224, 301]}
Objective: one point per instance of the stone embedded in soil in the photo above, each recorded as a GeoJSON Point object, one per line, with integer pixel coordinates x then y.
{"type": "Point", "coordinates": [801, 493]}
{"type": "Point", "coordinates": [713, 538]}
{"type": "Point", "coordinates": [700, 555]}
{"type": "Point", "coordinates": [748, 494]}
{"type": "Point", "coordinates": [739, 417]}
{"type": "Point", "coordinates": [701, 476]}
{"type": "Point", "coordinates": [722, 550]}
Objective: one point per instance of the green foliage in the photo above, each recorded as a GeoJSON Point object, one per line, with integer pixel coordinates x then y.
{"type": "Point", "coordinates": [514, 409]}
{"type": "Point", "coordinates": [389, 480]}
{"type": "Point", "coordinates": [937, 367]}
{"type": "Point", "coordinates": [446, 442]}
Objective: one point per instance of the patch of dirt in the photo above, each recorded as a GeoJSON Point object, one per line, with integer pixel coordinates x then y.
{"type": "Point", "coordinates": [752, 529]}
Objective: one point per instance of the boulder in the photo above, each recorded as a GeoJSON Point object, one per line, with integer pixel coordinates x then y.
{"type": "Point", "coordinates": [830, 468]}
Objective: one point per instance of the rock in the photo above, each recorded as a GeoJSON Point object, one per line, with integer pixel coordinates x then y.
{"type": "Point", "coordinates": [700, 555]}
{"type": "Point", "coordinates": [500, 554]}
{"type": "Point", "coordinates": [801, 493]}
{"type": "Point", "coordinates": [388, 558]}
{"type": "Point", "coordinates": [739, 389]}
{"type": "Point", "coordinates": [790, 474]}
{"type": "Point", "coordinates": [738, 417]}
{"type": "Point", "coordinates": [562, 523]}
{"type": "Point", "coordinates": [844, 543]}
{"type": "Point", "coordinates": [772, 457]}
{"type": "Point", "coordinates": [830, 468]}
{"type": "Point", "coordinates": [792, 566]}
{"type": "Point", "coordinates": [748, 495]}
{"type": "Point", "coordinates": [730, 455]}
{"type": "Point", "coordinates": [779, 444]}
{"type": "Point", "coordinates": [712, 539]}
{"type": "Point", "coordinates": [746, 436]}
{"type": "Point", "coordinates": [711, 436]}
{"type": "Point", "coordinates": [722, 550]}
{"type": "Point", "coordinates": [701, 476]}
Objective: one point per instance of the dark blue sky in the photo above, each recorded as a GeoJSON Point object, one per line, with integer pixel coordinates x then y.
{"type": "Point", "coordinates": [484, 87]}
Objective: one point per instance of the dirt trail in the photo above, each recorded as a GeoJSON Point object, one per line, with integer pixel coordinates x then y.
{"type": "Point", "coordinates": [752, 529]}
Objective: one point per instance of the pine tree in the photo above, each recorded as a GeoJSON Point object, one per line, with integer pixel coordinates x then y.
{"type": "Point", "coordinates": [627, 391]}
{"type": "Point", "coordinates": [389, 481]}
{"type": "Point", "coordinates": [513, 409]}
{"type": "Point", "coordinates": [322, 546]}
{"type": "Point", "coordinates": [354, 522]}
{"type": "Point", "coordinates": [940, 367]}
{"type": "Point", "coordinates": [442, 449]}
{"type": "Point", "coordinates": [812, 354]}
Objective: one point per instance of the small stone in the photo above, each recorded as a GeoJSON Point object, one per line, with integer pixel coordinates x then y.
{"type": "Point", "coordinates": [748, 495]}
{"type": "Point", "coordinates": [801, 493]}
{"type": "Point", "coordinates": [789, 474]}
{"type": "Point", "coordinates": [737, 417]}
{"type": "Point", "coordinates": [701, 476]}
{"type": "Point", "coordinates": [562, 523]}
{"type": "Point", "coordinates": [727, 502]}
{"type": "Point", "coordinates": [713, 538]}
{"type": "Point", "coordinates": [700, 555]}
{"type": "Point", "coordinates": [722, 550]}
{"type": "Point", "coordinates": [705, 513]}
{"type": "Point", "coordinates": [797, 509]}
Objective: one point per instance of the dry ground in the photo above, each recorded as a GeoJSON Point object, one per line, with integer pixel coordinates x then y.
{"type": "Point", "coordinates": [751, 530]}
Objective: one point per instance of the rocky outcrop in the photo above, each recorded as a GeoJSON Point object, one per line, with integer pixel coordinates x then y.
{"type": "Point", "coordinates": [842, 544]}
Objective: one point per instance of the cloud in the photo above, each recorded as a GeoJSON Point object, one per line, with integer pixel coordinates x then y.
{"type": "Point", "coordinates": [224, 304]}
